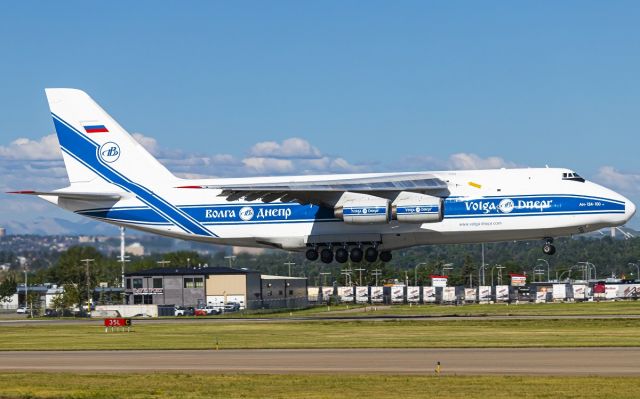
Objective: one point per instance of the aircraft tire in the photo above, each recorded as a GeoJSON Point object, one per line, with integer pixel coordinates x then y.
{"type": "Point", "coordinates": [356, 255]}
{"type": "Point", "coordinates": [342, 255]}
{"type": "Point", "coordinates": [386, 256]}
{"type": "Point", "coordinates": [371, 254]}
{"type": "Point", "coordinates": [326, 255]}
{"type": "Point", "coordinates": [312, 254]}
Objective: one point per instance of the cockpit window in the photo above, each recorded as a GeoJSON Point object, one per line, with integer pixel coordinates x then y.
{"type": "Point", "coordinates": [572, 176]}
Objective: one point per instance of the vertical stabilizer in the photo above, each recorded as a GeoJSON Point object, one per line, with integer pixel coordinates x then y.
{"type": "Point", "coordinates": [95, 146]}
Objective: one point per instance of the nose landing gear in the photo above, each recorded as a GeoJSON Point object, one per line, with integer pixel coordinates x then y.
{"type": "Point", "coordinates": [548, 248]}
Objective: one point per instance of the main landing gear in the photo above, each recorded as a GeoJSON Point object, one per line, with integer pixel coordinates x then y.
{"type": "Point", "coordinates": [342, 254]}
{"type": "Point", "coordinates": [548, 248]}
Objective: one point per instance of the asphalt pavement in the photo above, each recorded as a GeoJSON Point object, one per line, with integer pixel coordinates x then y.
{"type": "Point", "coordinates": [509, 361]}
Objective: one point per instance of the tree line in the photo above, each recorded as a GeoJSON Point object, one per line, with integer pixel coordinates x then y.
{"type": "Point", "coordinates": [460, 262]}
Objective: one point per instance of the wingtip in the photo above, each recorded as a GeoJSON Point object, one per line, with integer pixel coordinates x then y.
{"type": "Point", "coordinates": [21, 192]}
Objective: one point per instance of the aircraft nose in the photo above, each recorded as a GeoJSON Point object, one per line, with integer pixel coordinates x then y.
{"type": "Point", "coordinates": [629, 209]}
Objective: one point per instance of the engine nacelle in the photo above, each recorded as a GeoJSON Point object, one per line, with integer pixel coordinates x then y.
{"type": "Point", "coordinates": [363, 209]}
{"type": "Point", "coordinates": [417, 208]}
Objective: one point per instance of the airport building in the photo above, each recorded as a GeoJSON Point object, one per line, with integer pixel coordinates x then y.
{"type": "Point", "coordinates": [201, 286]}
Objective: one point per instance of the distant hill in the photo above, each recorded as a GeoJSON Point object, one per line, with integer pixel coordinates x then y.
{"type": "Point", "coordinates": [59, 226]}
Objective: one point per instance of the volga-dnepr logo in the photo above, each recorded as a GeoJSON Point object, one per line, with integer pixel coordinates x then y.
{"type": "Point", "coordinates": [246, 213]}
{"type": "Point", "coordinates": [109, 152]}
{"type": "Point", "coordinates": [506, 205]}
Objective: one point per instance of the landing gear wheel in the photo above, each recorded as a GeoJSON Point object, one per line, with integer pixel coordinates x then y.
{"type": "Point", "coordinates": [385, 256]}
{"type": "Point", "coordinates": [326, 255]}
{"type": "Point", "coordinates": [549, 249]}
{"type": "Point", "coordinates": [312, 254]}
{"type": "Point", "coordinates": [342, 255]}
{"type": "Point", "coordinates": [371, 254]}
{"type": "Point", "coordinates": [356, 255]}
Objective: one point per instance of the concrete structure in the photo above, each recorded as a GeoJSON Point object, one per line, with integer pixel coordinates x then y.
{"type": "Point", "coordinates": [45, 295]}
{"type": "Point", "coordinates": [217, 286]}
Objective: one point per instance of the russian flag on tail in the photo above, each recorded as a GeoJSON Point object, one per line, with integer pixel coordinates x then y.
{"type": "Point", "coordinates": [95, 129]}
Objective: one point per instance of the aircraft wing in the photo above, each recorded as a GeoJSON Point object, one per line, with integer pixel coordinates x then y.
{"type": "Point", "coordinates": [73, 195]}
{"type": "Point", "coordinates": [327, 191]}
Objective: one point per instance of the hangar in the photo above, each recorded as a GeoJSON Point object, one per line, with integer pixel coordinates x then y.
{"type": "Point", "coordinates": [200, 286]}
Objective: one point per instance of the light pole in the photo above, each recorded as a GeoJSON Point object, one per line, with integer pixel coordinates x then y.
{"type": "Point", "coordinates": [637, 269]}
{"type": "Point", "coordinates": [538, 271]}
{"type": "Point", "coordinates": [595, 272]}
{"type": "Point", "coordinates": [325, 274]}
{"type": "Point", "coordinates": [86, 262]}
{"type": "Point", "coordinates": [446, 266]}
{"type": "Point", "coordinates": [26, 294]}
{"type": "Point", "coordinates": [415, 272]}
{"type": "Point", "coordinates": [587, 270]}
{"type": "Point", "coordinates": [123, 257]}
{"type": "Point", "coordinates": [498, 266]}
{"type": "Point", "coordinates": [377, 273]}
{"type": "Point", "coordinates": [567, 271]}
{"type": "Point", "coordinates": [289, 264]}
{"type": "Point", "coordinates": [360, 270]}
{"type": "Point", "coordinates": [231, 258]}
{"type": "Point", "coordinates": [347, 276]}
{"type": "Point", "coordinates": [482, 267]}
{"type": "Point", "coordinates": [547, 262]}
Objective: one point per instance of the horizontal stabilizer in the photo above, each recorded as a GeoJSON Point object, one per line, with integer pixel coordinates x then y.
{"type": "Point", "coordinates": [73, 195]}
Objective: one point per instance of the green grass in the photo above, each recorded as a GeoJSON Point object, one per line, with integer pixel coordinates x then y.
{"type": "Point", "coordinates": [191, 386]}
{"type": "Point", "coordinates": [464, 333]}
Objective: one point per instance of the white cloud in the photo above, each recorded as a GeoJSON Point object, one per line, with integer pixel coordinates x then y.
{"type": "Point", "coordinates": [609, 176]}
{"type": "Point", "coordinates": [464, 160]}
{"type": "Point", "coordinates": [290, 148]}
{"type": "Point", "coordinates": [264, 165]}
{"type": "Point", "coordinates": [458, 161]}
{"type": "Point", "coordinates": [47, 148]}
{"type": "Point", "coordinates": [149, 143]}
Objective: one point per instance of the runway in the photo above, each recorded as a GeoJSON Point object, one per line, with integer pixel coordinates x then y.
{"type": "Point", "coordinates": [516, 361]}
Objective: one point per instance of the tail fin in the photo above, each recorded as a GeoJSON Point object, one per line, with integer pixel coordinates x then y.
{"type": "Point", "coordinates": [95, 146]}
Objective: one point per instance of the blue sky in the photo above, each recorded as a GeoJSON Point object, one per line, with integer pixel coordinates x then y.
{"type": "Point", "coordinates": [221, 88]}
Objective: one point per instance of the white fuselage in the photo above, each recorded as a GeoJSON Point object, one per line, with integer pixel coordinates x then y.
{"type": "Point", "coordinates": [481, 206]}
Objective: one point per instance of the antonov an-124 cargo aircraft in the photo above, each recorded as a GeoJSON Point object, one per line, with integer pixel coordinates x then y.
{"type": "Point", "coordinates": [331, 217]}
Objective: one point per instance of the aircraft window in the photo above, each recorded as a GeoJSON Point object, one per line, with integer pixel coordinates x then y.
{"type": "Point", "coordinates": [572, 176]}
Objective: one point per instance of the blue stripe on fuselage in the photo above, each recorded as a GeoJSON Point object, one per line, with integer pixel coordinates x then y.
{"type": "Point", "coordinates": [252, 213]}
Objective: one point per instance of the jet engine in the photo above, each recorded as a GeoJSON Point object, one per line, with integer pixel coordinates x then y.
{"type": "Point", "coordinates": [362, 209]}
{"type": "Point", "coordinates": [417, 208]}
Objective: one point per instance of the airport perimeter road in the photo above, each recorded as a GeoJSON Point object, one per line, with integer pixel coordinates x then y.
{"type": "Point", "coordinates": [514, 361]}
